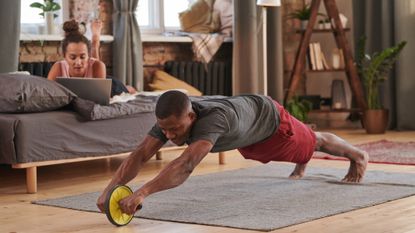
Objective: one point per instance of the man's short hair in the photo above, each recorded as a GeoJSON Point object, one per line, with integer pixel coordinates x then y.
{"type": "Point", "coordinates": [172, 103]}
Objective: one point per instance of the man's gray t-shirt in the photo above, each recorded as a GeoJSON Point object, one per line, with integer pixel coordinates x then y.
{"type": "Point", "coordinates": [231, 122]}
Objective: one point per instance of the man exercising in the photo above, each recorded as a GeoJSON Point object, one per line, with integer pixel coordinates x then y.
{"type": "Point", "coordinates": [260, 128]}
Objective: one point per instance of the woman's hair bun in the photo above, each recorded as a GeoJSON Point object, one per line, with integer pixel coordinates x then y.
{"type": "Point", "coordinates": [71, 27]}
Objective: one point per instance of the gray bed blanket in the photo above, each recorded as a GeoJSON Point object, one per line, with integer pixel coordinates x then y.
{"type": "Point", "coordinates": [91, 111]}
{"type": "Point", "coordinates": [141, 104]}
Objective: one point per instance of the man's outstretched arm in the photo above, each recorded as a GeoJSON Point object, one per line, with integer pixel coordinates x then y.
{"type": "Point", "coordinates": [174, 174]}
{"type": "Point", "coordinates": [131, 166]}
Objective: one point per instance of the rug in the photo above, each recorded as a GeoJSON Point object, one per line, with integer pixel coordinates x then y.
{"type": "Point", "coordinates": [382, 151]}
{"type": "Point", "coordinates": [261, 198]}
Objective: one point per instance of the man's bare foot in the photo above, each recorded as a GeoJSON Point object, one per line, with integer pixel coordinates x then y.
{"type": "Point", "coordinates": [357, 168]}
{"type": "Point", "coordinates": [298, 172]}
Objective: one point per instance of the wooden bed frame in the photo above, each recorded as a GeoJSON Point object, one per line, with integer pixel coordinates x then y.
{"type": "Point", "coordinates": [31, 168]}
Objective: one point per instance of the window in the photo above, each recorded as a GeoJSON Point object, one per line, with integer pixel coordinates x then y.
{"type": "Point", "coordinates": [31, 21]}
{"type": "Point", "coordinates": [158, 16]}
{"type": "Point", "coordinates": [153, 16]}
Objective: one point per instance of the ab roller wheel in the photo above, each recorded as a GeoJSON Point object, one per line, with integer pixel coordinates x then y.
{"type": "Point", "coordinates": [112, 208]}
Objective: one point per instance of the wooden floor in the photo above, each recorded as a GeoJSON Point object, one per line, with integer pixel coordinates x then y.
{"type": "Point", "coordinates": [18, 215]}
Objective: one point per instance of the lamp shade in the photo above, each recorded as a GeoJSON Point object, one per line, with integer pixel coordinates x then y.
{"type": "Point", "coordinates": [268, 2]}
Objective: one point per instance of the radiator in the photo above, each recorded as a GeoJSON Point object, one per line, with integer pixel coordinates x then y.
{"type": "Point", "coordinates": [214, 78]}
{"type": "Point", "coordinates": [36, 68]}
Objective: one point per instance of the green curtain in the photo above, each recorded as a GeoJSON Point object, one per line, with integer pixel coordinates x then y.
{"type": "Point", "coordinates": [9, 41]}
{"type": "Point", "coordinates": [386, 23]}
{"type": "Point", "coordinates": [127, 47]}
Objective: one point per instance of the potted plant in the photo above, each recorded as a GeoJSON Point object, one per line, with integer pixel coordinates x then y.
{"type": "Point", "coordinates": [373, 70]}
{"type": "Point", "coordinates": [48, 8]}
{"type": "Point", "coordinates": [299, 109]}
{"type": "Point", "coordinates": [303, 15]}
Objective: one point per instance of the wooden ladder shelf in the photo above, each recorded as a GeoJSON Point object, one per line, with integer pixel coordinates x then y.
{"type": "Point", "coordinates": [341, 41]}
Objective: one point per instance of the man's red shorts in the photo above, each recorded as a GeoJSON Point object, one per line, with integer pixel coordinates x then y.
{"type": "Point", "coordinates": [293, 142]}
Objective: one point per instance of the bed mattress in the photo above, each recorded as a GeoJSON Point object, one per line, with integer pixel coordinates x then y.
{"type": "Point", "coordinates": [33, 137]}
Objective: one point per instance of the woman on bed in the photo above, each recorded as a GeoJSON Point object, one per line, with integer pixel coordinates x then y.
{"type": "Point", "coordinates": [77, 62]}
{"type": "Point", "coordinates": [76, 52]}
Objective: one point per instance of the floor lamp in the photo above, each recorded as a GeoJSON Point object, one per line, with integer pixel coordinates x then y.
{"type": "Point", "coordinates": [264, 4]}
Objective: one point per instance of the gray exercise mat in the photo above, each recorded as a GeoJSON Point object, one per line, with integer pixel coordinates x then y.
{"type": "Point", "coordinates": [262, 197]}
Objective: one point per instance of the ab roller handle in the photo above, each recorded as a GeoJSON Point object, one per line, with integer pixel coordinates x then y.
{"type": "Point", "coordinates": [112, 208]}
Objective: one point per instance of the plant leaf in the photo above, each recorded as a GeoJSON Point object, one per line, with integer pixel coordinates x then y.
{"type": "Point", "coordinates": [55, 6]}
{"type": "Point", "coordinates": [37, 5]}
{"type": "Point", "coordinates": [299, 108]}
{"type": "Point", "coordinates": [49, 5]}
{"type": "Point", "coordinates": [360, 54]}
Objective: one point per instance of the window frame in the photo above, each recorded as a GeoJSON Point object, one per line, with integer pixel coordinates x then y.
{"type": "Point", "coordinates": [154, 26]}
{"type": "Point", "coordinates": [156, 19]}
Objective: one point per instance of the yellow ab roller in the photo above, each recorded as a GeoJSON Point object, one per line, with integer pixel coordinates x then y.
{"type": "Point", "coordinates": [112, 208]}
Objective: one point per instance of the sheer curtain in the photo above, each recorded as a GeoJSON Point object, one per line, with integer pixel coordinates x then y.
{"type": "Point", "coordinates": [127, 47]}
{"type": "Point", "coordinates": [247, 50]}
{"type": "Point", "coordinates": [9, 41]}
{"type": "Point", "coordinates": [386, 23]}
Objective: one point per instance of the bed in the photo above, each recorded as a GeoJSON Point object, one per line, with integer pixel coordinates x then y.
{"type": "Point", "coordinates": [29, 138]}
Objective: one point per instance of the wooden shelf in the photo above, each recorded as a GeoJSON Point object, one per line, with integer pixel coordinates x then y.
{"type": "Point", "coordinates": [321, 30]}
{"type": "Point", "coordinates": [300, 67]}
{"type": "Point", "coordinates": [319, 71]}
{"type": "Point", "coordinates": [330, 70]}
{"type": "Point", "coordinates": [336, 110]}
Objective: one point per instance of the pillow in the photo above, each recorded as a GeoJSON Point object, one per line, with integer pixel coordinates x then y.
{"type": "Point", "coordinates": [28, 93]}
{"type": "Point", "coordinates": [164, 81]}
{"type": "Point", "coordinates": [200, 18]}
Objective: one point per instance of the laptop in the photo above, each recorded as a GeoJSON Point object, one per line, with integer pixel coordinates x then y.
{"type": "Point", "coordinates": [97, 90]}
